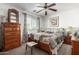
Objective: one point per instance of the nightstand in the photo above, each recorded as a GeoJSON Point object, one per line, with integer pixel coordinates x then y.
{"type": "Point", "coordinates": [31, 45]}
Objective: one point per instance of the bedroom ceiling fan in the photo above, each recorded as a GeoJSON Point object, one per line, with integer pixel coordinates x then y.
{"type": "Point", "coordinates": [46, 7]}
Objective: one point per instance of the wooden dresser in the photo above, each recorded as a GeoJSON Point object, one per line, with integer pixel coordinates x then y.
{"type": "Point", "coordinates": [75, 47]}
{"type": "Point", "coordinates": [10, 35]}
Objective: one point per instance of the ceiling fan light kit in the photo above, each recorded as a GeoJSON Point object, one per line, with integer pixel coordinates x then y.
{"type": "Point", "coordinates": [46, 7]}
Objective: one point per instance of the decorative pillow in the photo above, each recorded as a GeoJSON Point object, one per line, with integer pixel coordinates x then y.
{"type": "Point", "coordinates": [46, 40]}
{"type": "Point", "coordinates": [53, 43]}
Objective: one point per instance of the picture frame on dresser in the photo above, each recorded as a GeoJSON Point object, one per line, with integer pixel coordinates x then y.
{"type": "Point", "coordinates": [13, 16]}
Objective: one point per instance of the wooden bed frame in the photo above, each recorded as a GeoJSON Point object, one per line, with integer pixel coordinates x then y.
{"type": "Point", "coordinates": [41, 45]}
{"type": "Point", "coordinates": [45, 47]}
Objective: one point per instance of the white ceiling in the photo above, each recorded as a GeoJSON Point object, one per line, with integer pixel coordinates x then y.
{"type": "Point", "coordinates": [32, 6]}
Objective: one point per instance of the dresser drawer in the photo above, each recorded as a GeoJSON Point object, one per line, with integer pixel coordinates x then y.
{"type": "Point", "coordinates": [16, 44]}
{"type": "Point", "coordinates": [12, 45]}
{"type": "Point", "coordinates": [11, 41]}
{"type": "Point", "coordinates": [8, 46]}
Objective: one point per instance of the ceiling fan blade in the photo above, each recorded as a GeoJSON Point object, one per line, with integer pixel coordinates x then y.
{"type": "Point", "coordinates": [40, 6]}
{"type": "Point", "coordinates": [53, 9]}
{"type": "Point", "coordinates": [39, 10]}
{"type": "Point", "coordinates": [45, 12]}
{"type": "Point", "coordinates": [52, 4]}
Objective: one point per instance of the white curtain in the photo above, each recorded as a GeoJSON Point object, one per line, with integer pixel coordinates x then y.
{"type": "Point", "coordinates": [25, 29]}
{"type": "Point", "coordinates": [32, 24]}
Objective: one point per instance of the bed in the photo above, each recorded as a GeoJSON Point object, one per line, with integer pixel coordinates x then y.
{"type": "Point", "coordinates": [49, 42]}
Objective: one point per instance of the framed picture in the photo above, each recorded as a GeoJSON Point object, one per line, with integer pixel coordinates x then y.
{"type": "Point", "coordinates": [54, 21]}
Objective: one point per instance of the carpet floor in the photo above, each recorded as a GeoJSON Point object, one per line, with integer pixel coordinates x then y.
{"type": "Point", "coordinates": [64, 50]}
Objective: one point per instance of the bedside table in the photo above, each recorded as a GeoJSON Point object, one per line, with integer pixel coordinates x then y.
{"type": "Point", "coordinates": [31, 45]}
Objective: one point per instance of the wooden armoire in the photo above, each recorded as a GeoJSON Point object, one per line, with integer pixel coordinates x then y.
{"type": "Point", "coordinates": [11, 35]}
{"type": "Point", "coordinates": [11, 31]}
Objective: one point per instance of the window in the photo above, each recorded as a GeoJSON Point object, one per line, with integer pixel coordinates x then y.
{"type": "Point", "coordinates": [32, 24]}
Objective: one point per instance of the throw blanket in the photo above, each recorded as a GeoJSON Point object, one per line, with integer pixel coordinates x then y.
{"type": "Point", "coordinates": [52, 39]}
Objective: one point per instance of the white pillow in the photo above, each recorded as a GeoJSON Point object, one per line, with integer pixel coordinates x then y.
{"type": "Point", "coordinates": [46, 40]}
